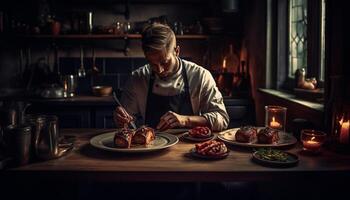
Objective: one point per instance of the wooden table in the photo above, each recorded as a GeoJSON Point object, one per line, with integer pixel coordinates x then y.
{"type": "Point", "coordinates": [173, 164]}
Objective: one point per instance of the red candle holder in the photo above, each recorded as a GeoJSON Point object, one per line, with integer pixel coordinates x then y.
{"type": "Point", "coordinates": [312, 140]}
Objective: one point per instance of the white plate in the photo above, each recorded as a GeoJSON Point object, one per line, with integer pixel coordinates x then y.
{"type": "Point", "coordinates": [174, 131]}
{"type": "Point", "coordinates": [162, 141]}
{"type": "Point", "coordinates": [285, 139]}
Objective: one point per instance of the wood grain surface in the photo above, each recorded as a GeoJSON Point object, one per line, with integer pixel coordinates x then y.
{"type": "Point", "coordinates": [174, 164]}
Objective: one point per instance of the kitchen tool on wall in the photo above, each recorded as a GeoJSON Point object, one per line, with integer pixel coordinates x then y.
{"type": "Point", "coordinates": [95, 70]}
{"type": "Point", "coordinates": [56, 60]}
{"type": "Point", "coordinates": [81, 70]}
{"type": "Point", "coordinates": [230, 6]}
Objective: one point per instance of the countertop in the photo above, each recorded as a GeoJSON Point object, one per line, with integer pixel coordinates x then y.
{"type": "Point", "coordinates": [174, 164]}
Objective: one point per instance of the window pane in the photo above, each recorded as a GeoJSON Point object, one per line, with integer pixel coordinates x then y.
{"type": "Point", "coordinates": [323, 40]}
{"type": "Point", "coordinates": [297, 36]}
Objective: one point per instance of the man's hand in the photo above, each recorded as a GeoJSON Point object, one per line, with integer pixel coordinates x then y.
{"type": "Point", "coordinates": [121, 117]}
{"type": "Point", "coordinates": [172, 120]}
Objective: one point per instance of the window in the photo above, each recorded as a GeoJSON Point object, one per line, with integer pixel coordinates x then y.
{"type": "Point", "coordinates": [297, 36]}
{"type": "Point", "coordinates": [299, 40]}
{"type": "Point", "coordinates": [323, 40]}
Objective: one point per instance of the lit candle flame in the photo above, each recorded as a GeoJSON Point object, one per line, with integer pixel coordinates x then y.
{"type": "Point", "coordinates": [274, 123]}
{"type": "Point", "coordinates": [312, 138]}
{"type": "Point", "coordinates": [224, 63]}
{"type": "Point", "coordinates": [344, 131]}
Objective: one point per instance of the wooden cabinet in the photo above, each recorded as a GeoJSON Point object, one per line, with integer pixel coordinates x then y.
{"type": "Point", "coordinates": [68, 116]}
{"type": "Point", "coordinates": [104, 117]}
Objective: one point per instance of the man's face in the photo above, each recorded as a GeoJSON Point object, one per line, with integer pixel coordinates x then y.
{"type": "Point", "coordinates": [163, 62]}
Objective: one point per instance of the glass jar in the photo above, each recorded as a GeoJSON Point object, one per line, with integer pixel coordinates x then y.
{"type": "Point", "coordinates": [275, 117]}
{"type": "Point", "coordinates": [312, 140]}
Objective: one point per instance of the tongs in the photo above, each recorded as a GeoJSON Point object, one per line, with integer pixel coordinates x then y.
{"type": "Point", "coordinates": [131, 123]}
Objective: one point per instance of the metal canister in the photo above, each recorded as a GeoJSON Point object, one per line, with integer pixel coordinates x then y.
{"type": "Point", "coordinates": [17, 140]}
{"type": "Point", "coordinates": [36, 122]}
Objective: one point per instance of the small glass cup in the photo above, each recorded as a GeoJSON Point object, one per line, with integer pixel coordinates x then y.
{"type": "Point", "coordinates": [275, 117]}
{"type": "Point", "coordinates": [312, 140]}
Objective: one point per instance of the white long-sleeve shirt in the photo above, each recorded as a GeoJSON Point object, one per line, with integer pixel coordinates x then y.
{"type": "Point", "coordinates": [206, 99]}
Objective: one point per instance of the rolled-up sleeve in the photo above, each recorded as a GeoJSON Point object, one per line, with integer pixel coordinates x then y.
{"type": "Point", "coordinates": [212, 105]}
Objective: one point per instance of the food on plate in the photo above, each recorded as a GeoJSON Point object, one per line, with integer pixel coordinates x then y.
{"type": "Point", "coordinates": [200, 132]}
{"type": "Point", "coordinates": [246, 134]}
{"type": "Point", "coordinates": [143, 135]}
{"type": "Point", "coordinates": [211, 148]}
{"type": "Point", "coordinates": [272, 155]}
{"type": "Point", "coordinates": [267, 136]}
{"type": "Point", "coordinates": [123, 137]}
{"type": "Point", "coordinates": [126, 137]}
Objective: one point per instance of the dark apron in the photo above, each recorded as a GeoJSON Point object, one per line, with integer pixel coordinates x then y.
{"type": "Point", "coordinates": [158, 105]}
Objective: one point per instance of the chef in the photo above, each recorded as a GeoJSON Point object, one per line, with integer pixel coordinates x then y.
{"type": "Point", "coordinates": [170, 92]}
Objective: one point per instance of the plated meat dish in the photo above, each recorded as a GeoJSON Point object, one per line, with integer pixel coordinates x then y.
{"type": "Point", "coordinates": [211, 148]}
{"type": "Point", "coordinates": [200, 132]}
{"type": "Point", "coordinates": [125, 137]}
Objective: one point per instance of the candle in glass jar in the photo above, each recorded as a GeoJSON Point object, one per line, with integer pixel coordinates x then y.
{"type": "Point", "coordinates": [344, 132]}
{"type": "Point", "coordinates": [275, 124]}
{"type": "Point", "coordinates": [312, 145]}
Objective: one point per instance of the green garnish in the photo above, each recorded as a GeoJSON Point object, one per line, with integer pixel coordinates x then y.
{"type": "Point", "coordinates": [272, 155]}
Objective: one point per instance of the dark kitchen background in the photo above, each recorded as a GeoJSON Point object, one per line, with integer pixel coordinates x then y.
{"type": "Point", "coordinates": [53, 54]}
{"type": "Point", "coordinates": [43, 41]}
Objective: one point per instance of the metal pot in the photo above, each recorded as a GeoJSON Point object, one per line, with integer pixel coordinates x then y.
{"type": "Point", "coordinates": [52, 91]}
{"type": "Point", "coordinates": [45, 137]}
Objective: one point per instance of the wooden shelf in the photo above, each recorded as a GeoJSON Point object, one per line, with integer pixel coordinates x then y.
{"type": "Point", "coordinates": [104, 36]}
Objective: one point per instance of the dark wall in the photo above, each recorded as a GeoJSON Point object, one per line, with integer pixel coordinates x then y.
{"type": "Point", "coordinates": [114, 64]}
{"type": "Point", "coordinates": [254, 33]}
{"type": "Point", "coordinates": [206, 52]}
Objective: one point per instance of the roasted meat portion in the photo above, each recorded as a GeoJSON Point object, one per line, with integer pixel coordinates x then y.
{"type": "Point", "coordinates": [246, 134]}
{"type": "Point", "coordinates": [267, 136]}
{"type": "Point", "coordinates": [122, 138]}
{"type": "Point", "coordinates": [143, 135]}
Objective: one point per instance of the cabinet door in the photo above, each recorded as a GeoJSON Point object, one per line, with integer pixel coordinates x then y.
{"type": "Point", "coordinates": [68, 116]}
{"type": "Point", "coordinates": [104, 117]}
{"type": "Point", "coordinates": [74, 119]}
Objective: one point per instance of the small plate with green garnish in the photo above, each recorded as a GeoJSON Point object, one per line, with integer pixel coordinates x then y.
{"type": "Point", "coordinates": [275, 158]}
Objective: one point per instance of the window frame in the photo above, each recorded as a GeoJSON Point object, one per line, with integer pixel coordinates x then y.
{"type": "Point", "coordinates": [283, 81]}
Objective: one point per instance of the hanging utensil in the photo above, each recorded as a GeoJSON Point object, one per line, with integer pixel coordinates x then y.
{"type": "Point", "coordinates": [95, 70]}
{"type": "Point", "coordinates": [29, 68]}
{"type": "Point", "coordinates": [81, 70]}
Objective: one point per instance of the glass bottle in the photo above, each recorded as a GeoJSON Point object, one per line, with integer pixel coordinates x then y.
{"type": "Point", "coordinates": [232, 60]}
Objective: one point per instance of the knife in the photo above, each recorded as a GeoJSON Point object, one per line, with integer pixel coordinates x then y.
{"type": "Point", "coordinates": [132, 123]}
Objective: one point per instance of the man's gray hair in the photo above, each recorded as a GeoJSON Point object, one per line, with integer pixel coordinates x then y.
{"type": "Point", "coordinates": [157, 37]}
